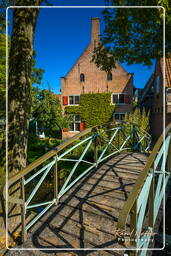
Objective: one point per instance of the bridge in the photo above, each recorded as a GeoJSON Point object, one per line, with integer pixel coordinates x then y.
{"type": "Point", "coordinates": [110, 199]}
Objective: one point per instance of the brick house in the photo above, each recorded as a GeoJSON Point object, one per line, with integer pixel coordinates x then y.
{"type": "Point", "coordinates": [85, 77]}
{"type": "Point", "coordinates": [152, 97]}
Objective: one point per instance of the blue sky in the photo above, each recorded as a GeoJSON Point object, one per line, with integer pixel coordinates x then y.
{"type": "Point", "coordinates": [61, 36]}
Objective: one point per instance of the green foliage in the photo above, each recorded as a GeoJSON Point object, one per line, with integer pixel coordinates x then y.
{"type": "Point", "coordinates": [3, 58]}
{"type": "Point", "coordinates": [94, 109]}
{"type": "Point", "coordinates": [134, 35]}
{"type": "Point", "coordinates": [2, 74]}
{"type": "Point", "coordinates": [141, 118]}
{"type": "Point", "coordinates": [46, 109]}
{"type": "Point", "coordinates": [2, 23]}
{"type": "Point", "coordinates": [135, 104]}
{"type": "Point", "coordinates": [3, 5]}
{"type": "Point", "coordinates": [37, 147]}
{"type": "Point", "coordinates": [37, 73]}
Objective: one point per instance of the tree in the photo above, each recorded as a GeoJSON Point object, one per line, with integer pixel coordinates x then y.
{"type": "Point", "coordinates": [19, 93]}
{"type": "Point", "coordinates": [36, 73]}
{"type": "Point", "coordinates": [3, 5]}
{"type": "Point", "coordinates": [22, 74]}
{"type": "Point", "coordinates": [2, 74]}
{"type": "Point", "coordinates": [46, 109]}
{"type": "Point", "coordinates": [36, 77]}
{"type": "Point", "coordinates": [134, 35]}
{"type": "Point", "coordinates": [19, 84]}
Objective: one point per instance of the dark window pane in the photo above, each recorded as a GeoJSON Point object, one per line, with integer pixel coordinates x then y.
{"type": "Point", "coordinates": [116, 116]}
{"type": "Point", "coordinates": [71, 100]}
{"type": "Point", "coordinates": [82, 78]}
{"type": "Point", "coordinates": [77, 118]}
{"type": "Point", "coordinates": [77, 100]}
{"type": "Point", "coordinates": [72, 126]}
{"type": "Point", "coordinates": [115, 98]}
{"type": "Point", "coordinates": [109, 76]}
{"type": "Point", "coordinates": [122, 116]}
{"type": "Point", "coordinates": [77, 126]}
{"type": "Point", "coordinates": [121, 98]}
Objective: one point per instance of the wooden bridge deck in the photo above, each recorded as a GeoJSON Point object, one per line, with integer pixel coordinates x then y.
{"type": "Point", "coordinates": [87, 215]}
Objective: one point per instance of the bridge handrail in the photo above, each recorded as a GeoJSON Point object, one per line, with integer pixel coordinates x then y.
{"type": "Point", "coordinates": [53, 152]}
{"type": "Point", "coordinates": [129, 205]}
{"type": "Point", "coordinates": [39, 161]}
{"type": "Point", "coordinates": [126, 135]}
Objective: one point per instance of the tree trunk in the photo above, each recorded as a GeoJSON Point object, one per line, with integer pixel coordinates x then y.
{"type": "Point", "coordinates": [19, 92]}
{"type": "Point", "coordinates": [19, 84]}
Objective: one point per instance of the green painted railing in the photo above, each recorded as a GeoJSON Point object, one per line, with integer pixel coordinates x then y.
{"type": "Point", "coordinates": [145, 200]}
{"type": "Point", "coordinates": [85, 151]}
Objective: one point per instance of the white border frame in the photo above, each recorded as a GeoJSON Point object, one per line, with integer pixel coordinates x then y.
{"type": "Point", "coordinates": [76, 249]}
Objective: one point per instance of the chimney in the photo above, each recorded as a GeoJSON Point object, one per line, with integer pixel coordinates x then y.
{"type": "Point", "coordinates": [95, 30]}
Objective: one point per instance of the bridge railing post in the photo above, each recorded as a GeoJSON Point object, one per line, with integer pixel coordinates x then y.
{"type": "Point", "coordinates": [96, 150]}
{"type": "Point", "coordinates": [23, 213]}
{"type": "Point", "coordinates": [133, 225]}
{"type": "Point", "coordinates": [151, 201]}
{"type": "Point", "coordinates": [168, 168]}
{"type": "Point", "coordinates": [55, 174]}
{"type": "Point", "coordinates": [133, 253]}
{"type": "Point", "coordinates": [133, 135]}
{"type": "Point", "coordinates": [118, 138]}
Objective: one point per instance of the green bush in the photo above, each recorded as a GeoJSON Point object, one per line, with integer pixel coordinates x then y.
{"type": "Point", "coordinates": [139, 117]}
{"type": "Point", "coordinates": [37, 147]}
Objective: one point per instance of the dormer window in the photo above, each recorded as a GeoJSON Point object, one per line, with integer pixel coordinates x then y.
{"type": "Point", "coordinates": [82, 77]}
{"type": "Point", "coordinates": [109, 76]}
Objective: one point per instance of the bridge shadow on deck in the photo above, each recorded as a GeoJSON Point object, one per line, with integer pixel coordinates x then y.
{"type": "Point", "coordinates": [87, 215]}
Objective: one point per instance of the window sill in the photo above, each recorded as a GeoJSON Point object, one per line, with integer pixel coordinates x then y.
{"type": "Point", "coordinates": [74, 131]}
{"type": "Point", "coordinates": [73, 105]}
{"type": "Point", "coordinates": [121, 103]}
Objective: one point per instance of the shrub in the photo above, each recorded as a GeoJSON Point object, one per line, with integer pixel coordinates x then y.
{"type": "Point", "coordinates": [139, 117]}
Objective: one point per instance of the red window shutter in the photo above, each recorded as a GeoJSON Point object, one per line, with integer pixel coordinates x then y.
{"type": "Point", "coordinates": [65, 100]}
{"type": "Point", "coordinates": [127, 99]}
{"type": "Point", "coordinates": [82, 126]}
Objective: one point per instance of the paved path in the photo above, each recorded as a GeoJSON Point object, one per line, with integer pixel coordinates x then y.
{"type": "Point", "coordinates": [87, 215]}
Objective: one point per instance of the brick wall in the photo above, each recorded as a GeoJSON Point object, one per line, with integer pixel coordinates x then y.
{"type": "Point", "coordinates": [96, 79]}
{"type": "Point", "coordinates": [156, 120]}
{"type": "Point", "coordinates": [156, 104]}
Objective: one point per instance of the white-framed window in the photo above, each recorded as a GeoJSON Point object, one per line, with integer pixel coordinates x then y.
{"type": "Point", "coordinates": [75, 125]}
{"type": "Point", "coordinates": [121, 98]}
{"type": "Point", "coordinates": [74, 99]}
{"type": "Point", "coordinates": [119, 116]}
